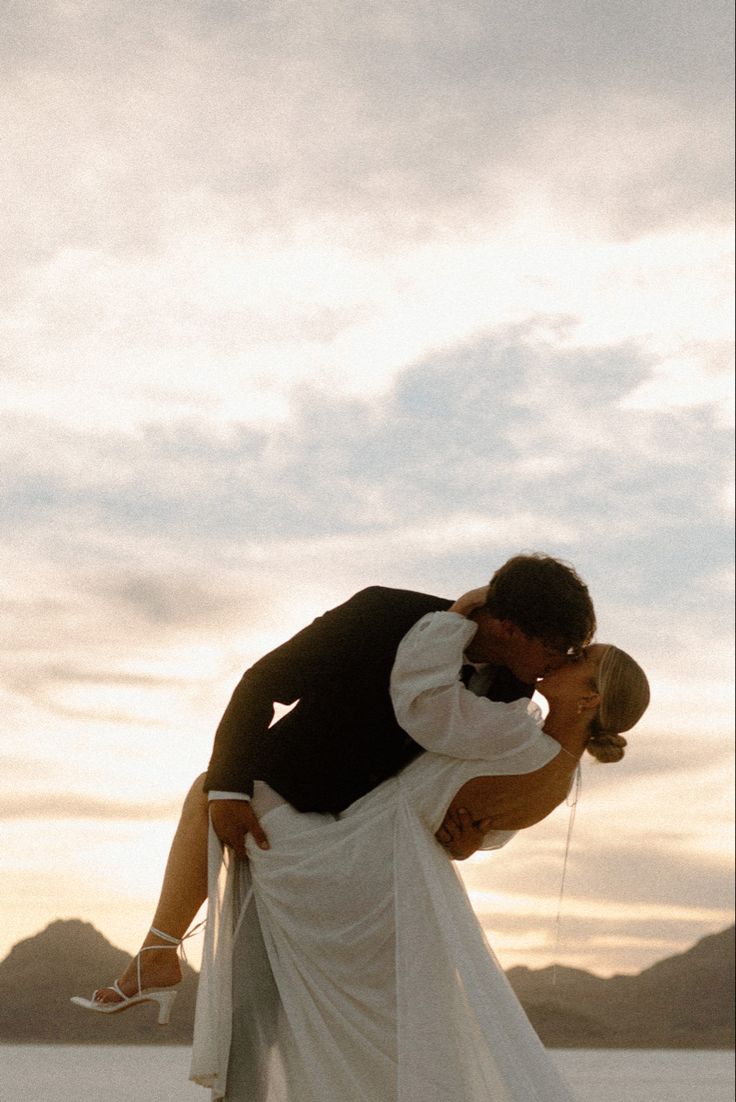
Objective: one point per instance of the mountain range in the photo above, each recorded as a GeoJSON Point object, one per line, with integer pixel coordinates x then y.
{"type": "Point", "coordinates": [685, 1001]}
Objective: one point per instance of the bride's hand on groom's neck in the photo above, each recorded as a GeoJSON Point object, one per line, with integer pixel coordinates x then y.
{"type": "Point", "coordinates": [470, 602]}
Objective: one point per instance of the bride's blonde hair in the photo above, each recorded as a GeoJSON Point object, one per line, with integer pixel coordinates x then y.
{"type": "Point", "coordinates": [624, 691]}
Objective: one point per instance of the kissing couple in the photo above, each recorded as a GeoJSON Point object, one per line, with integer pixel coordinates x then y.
{"type": "Point", "coordinates": [342, 960]}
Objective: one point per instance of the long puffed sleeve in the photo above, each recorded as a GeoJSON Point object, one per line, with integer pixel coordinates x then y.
{"type": "Point", "coordinates": [437, 711]}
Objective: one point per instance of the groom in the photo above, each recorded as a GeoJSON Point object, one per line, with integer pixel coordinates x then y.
{"type": "Point", "coordinates": [341, 738]}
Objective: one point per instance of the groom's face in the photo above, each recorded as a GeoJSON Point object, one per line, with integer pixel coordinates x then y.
{"type": "Point", "coordinates": [530, 658]}
{"type": "Point", "coordinates": [503, 643]}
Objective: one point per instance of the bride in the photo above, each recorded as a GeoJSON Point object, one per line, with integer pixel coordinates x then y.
{"type": "Point", "coordinates": [344, 963]}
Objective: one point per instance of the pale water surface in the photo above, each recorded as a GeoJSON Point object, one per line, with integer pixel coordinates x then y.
{"type": "Point", "coordinates": [139, 1073]}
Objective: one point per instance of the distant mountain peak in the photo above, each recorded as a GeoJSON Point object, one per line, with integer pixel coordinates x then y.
{"type": "Point", "coordinates": [63, 935]}
{"type": "Point", "coordinates": [71, 957]}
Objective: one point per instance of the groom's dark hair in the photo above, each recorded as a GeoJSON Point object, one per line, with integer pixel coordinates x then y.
{"type": "Point", "coordinates": [545, 598]}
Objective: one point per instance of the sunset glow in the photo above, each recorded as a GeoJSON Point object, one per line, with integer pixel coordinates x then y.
{"type": "Point", "coordinates": [294, 307]}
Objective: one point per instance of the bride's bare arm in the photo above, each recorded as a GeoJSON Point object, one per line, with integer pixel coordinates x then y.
{"type": "Point", "coordinates": [501, 803]}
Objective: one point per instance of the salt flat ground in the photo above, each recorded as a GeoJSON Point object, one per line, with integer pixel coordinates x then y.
{"type": "Point", "coordinates": [139, 1073]}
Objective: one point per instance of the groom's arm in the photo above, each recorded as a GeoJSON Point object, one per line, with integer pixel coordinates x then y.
{"type": "Point", "coordinates": [311, 662]}
{"type": "Point", "coordinates": [283, 676]}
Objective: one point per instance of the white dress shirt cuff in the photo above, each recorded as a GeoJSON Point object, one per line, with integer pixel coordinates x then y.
{"type": "Point", "coordinates": [213, 795]}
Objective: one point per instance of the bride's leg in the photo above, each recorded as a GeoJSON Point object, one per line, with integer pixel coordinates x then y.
{"type": "Point", "coordinates": [183, 892]}
{"type": "Point", "coordinates": [184, 888]}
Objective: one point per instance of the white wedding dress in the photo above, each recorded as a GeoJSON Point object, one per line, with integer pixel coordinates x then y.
{"type": "Point", "coordinates": [345, 964]}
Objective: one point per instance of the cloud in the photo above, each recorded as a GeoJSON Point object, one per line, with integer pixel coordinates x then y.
{"type": "Point", "coordinates": [223, 330]}
{"type": "Point", "coordinates": [671, 877]}
{"type": "Point", "coordinates": [17, 771]}
{"type": "Point", "coordinates": [683, 382]}
{"type": "Point", "coordinates": [98, 696]}
{"type": "Point", "coordinates": [606, 946]}
{"type": "Point", "coordinates": [502, 443]}
{"type": "Point", "coordinates": [68, 806]}
{"type": "Point", "coordinates": [639, 861]}
{"type": "Point", "coordinates": [134, 120]}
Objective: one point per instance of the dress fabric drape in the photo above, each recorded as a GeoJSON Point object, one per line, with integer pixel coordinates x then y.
{"type": "Point", "coordinates": [345, 964]}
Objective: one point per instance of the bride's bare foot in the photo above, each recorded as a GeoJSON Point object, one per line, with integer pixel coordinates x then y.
{"type": "Point", "coordinates": [159, 967]}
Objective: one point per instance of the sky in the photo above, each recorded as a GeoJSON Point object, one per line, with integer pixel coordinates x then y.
{"type": "Point", "coordinates": [302, 297]}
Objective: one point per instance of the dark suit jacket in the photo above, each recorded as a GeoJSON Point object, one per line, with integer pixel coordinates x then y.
{"type": "Point", "coordinates": [341, 739]}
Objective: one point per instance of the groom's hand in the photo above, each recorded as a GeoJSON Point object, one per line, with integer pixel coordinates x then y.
{"type": "Point", "coordinates": [232, 821]}
{"type": "Point", "coordinates": [460, 836]}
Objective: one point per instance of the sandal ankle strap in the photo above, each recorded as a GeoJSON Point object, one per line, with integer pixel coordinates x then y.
{"type": "Point", "coordinates": [166, 937]}
{"type": "Point", "coordinates": [170, 938]}
{"type": "Point", "coordinates": [174, 943]}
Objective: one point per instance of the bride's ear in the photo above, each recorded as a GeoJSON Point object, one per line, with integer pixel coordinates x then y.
{"type": "Point", "coordinates": [589, 703]}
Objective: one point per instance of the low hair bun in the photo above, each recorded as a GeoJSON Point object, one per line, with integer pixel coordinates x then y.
{"type": "Point", "coordinates": [624, 692]}
{"type": "Point", "coordinates": [606, 746]}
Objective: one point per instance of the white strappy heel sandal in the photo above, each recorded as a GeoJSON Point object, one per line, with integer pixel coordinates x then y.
{"type": "Point", "coordinates": [163, 996]}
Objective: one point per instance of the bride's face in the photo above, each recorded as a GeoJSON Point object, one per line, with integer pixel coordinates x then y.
{"type": "Point", "coordinates": [576, 680]}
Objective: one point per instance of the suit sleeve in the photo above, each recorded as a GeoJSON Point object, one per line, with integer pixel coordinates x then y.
{"type": "Point", "coordinates": [437, 711]}
{"type": "Point", "coordinates": [310, 660]}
